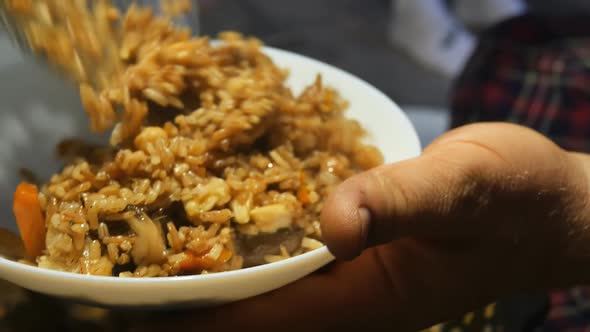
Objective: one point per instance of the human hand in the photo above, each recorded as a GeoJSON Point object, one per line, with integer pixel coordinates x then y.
{"type": "Point", "coordinates": [487, 210]}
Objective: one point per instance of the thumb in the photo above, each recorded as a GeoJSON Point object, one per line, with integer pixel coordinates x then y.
{"type": "Point", "coordinates": [430, 196]}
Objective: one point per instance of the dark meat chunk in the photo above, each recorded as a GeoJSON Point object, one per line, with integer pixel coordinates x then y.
{"type": "Point", "coordinates": [254, 248]}
{"type": "Point", "coordinates": [129, 267]}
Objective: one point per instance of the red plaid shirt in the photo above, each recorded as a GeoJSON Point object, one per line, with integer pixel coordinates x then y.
{"type": "Point", "coordinates": [535, 71]}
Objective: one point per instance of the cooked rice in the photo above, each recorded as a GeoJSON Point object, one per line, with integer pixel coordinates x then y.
{"type": "Point", "coordinates": [214, 165]}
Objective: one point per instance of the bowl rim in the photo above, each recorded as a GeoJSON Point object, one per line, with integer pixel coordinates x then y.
{"type": "Point", "coordinates": [71, 276]}
{"type": "Point", "coordinates": [324, 252]}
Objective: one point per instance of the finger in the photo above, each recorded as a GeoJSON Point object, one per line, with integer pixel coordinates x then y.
{"type": "Point", "coordinates": [456, 176]}
{"type": "Point", "coordinates": [393, 201]}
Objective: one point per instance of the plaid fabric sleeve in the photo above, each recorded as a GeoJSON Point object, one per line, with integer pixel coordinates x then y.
{"type": "Point", "coordinates": [532, 71]}
{"type": "Point", "coordinates": [535, 71]}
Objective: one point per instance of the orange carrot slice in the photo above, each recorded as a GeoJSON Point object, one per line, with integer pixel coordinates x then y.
{"type": "Point", "coordinates": [29, 218]}
{"type": "Point", "coordinates": [226, 254]}
{"type": "Point", "coordinates": [196, 263]}
{"type": "Point", "coordinates": [303, 193]}
{"type": "Point", "coordinates": [193, 262]}
{"type": "Point", "coordinates": [303, 196]}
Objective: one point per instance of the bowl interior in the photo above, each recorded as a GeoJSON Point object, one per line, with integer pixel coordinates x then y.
{"type": "Point", "coordinates": [36, 112]}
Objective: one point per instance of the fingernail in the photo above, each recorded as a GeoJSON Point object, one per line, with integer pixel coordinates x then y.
{"type": "Point", "coordinates": [365, 223]}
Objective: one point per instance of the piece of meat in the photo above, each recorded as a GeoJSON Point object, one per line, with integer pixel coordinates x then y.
{"type": "Point", "coordinates": [254, 248]}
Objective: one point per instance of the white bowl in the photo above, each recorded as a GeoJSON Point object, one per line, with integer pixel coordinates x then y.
{"type": "Point", "coordinates": [35, 113]}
